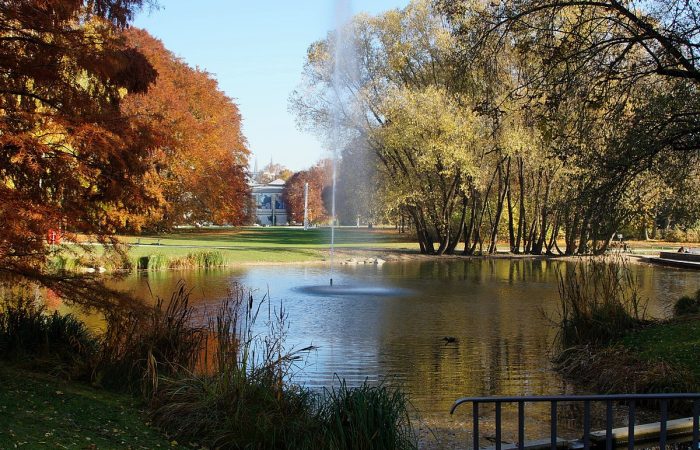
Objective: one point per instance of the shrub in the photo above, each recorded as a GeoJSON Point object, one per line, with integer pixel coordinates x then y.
{"type": "Point", "coordinates": [600, 301]}
{"type": "Point", "coordinates": [687, 305]}
{"type": "Point", "coordinates": [152, 262]}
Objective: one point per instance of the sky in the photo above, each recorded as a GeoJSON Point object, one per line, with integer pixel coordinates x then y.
{"type": "Point", "coordinates": [256, 52]}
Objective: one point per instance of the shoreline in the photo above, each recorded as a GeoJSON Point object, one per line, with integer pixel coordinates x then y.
{"type": "Point", "coordinates": [354, 256]}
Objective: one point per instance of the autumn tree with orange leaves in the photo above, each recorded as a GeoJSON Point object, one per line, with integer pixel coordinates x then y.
{"type": "Point", "coordinates": [319, 179]}
{"type": "Point", "coordinates": [70, 160]}
{"type": "Point", "coordinates": [202, 154]}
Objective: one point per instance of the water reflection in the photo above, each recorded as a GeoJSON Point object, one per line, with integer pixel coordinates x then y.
{"type": "Point", "coordinates": [497, 309]}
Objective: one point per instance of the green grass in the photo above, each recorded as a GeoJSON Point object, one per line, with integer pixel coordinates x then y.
{"type": "Point", "coordinates": [232, 256]}
{"type": "Point", "coordinates": [42, 412]}
{"type": "Point", "coordinates": [202, 248]}
{"type": "Point", "coordinates": [676, 343]}
{"type": "Point", "coordinates": [278, 237]}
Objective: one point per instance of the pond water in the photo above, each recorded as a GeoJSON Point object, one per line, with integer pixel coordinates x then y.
{"type": "Point", "coordinates": [498, 310]}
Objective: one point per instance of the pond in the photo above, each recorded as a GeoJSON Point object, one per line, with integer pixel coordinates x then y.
{"type": "Point", "coordinates": [499, 311]}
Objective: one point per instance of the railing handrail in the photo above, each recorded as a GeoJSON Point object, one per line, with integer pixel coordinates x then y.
{"type": "Point", "coordinates": [609, 399]}
{"type": "Point", "coordinates": [574, 398]}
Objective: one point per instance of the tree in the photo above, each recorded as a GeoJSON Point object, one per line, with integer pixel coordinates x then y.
{"type": "Point", "coordinates": [318, 178]}
{"type": "Point", "coordinates": [70, 160]}
{"type": "Point", "coordinates": [202, 153]}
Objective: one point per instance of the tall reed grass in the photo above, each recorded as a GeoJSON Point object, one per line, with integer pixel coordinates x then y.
{"type": "Point", "coordinates": [58, 343]}
{"type": "Point", "coordinates": [139, 347]}
{"type": "Point", "coordinates": [366, 417]}
{"type": "Point", "coordinates": [599, 301]}
{"type": "Point", "coordinates": [205, 259]}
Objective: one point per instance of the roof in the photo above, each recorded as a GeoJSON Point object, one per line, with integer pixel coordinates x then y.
{"type": "Point", "coordinates": [277, 182]}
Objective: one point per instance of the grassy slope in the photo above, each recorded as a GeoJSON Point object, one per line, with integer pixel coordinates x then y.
{"type": "Point", "coordinates": [41, 412]}
{"type": "Point", "coordinates": [676, 343]}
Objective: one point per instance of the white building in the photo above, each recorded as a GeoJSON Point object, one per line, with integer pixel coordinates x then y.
{"type": "Point", "coordinates": [269, 205]}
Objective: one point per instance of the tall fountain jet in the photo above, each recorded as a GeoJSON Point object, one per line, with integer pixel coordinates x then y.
{"type": "Point", "coordinates": [341, 65]}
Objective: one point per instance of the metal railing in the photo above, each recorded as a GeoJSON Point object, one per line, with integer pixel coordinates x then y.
{"type": "Point", "coordinates": [630, 399]}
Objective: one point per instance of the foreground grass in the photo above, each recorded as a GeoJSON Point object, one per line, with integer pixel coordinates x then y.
{"type": "Point", "coordinates": [675, 343]}
{"type": "Point", "coordinates": [39, 411]}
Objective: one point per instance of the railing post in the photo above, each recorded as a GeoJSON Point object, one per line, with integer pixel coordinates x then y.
{"type": "Point", "coordinates": [586, 425]}
{"type": "Point", "coordinates": [608, 425]}
{"type": "Point", "coordinates": [664, 419]}
{"type": "Point", "coordinates": [696, 412]}
{"type": "Point", "coordinates": [630, 426]}
{"type": "Point", "coordinates": [475, 437]}
{"type": "Point", "coordinates": [521, 425]}
{"type": "Point", "coordinates": [498, 425]}
{"type": "Point", "coordinates": [553, 413]}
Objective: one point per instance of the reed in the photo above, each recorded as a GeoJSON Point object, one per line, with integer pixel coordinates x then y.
{"type": "Point", "coordinates": [599, 301]}
{"type": "Point", "coordinates": [141, 347]}
{"type": "Point", "coordinates": [54, 342]}
{"type": "Point", "coordinates": [366, 417]}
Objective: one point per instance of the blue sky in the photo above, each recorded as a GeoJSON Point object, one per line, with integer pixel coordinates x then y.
{"type": "Point", "coordinates": [256, 52]}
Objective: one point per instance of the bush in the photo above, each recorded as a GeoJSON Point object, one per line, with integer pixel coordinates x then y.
{"type": "Point", "coordinates": [600, 301]}
{"type": "Point", "coordinates": [687, 305]}
{"type": "Point", "coordinates": [59, 342]}
{"type": "Point", "coordinates": [677, 234]}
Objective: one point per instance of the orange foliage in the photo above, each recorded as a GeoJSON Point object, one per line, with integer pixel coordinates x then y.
{"type": "Point", "coordinates": [202, 153]}
{"type": "Point", "coordinates": [319, 179]}
{"type": "Point", "coordinates": [69, 159]}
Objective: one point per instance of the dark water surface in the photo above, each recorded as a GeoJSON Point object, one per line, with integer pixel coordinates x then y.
{"type": "Point", "coordinates": [497, 310]}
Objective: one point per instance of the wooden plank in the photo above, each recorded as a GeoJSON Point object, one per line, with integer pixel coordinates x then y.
{"type": "Point", "coordinates": [647, 432]}
{"type": "Point", "coordinates": [539, 444]}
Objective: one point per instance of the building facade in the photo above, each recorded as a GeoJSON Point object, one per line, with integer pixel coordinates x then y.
{"type": "Point", "coordinates": [270, 209]}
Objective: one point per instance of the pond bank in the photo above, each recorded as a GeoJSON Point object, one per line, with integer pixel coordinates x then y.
{"type": "Point", "coordinates": [659, 357]}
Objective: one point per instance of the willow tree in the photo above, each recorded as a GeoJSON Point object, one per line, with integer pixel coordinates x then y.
{"type": "Point", "coordinates": [400, 97]}
{"type": "Point", "coordinates": [431, 148]}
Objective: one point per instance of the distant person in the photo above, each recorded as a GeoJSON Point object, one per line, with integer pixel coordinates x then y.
{"type": "Point", "coordinates": [682, 250]}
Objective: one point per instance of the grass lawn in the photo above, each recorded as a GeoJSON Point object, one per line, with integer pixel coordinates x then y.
{"type": "Point", "coordinates": [677, 343]}
{"type": "Point", "coordinates": [255, 244]}
{"type": "Point", "coordinates": [41, 412]}
{"type": "Point", "coordinates": [279, 237]}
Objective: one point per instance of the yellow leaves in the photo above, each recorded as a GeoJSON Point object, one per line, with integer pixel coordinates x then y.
{"type": "Point", "coordinates": [430, 123]}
